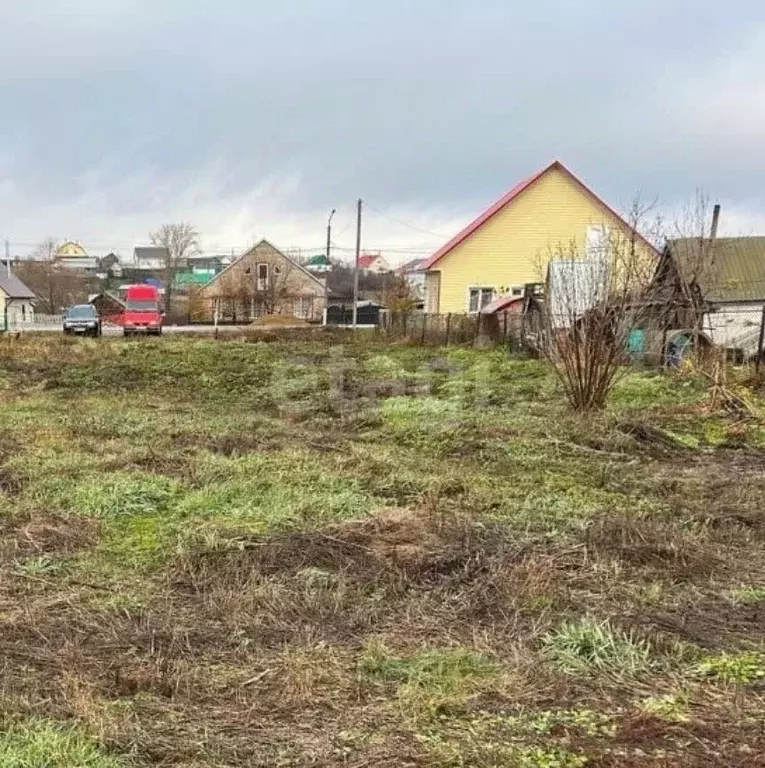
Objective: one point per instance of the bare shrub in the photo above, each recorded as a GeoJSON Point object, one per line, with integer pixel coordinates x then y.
{"type": "Point", "coordinates": [594, 300]}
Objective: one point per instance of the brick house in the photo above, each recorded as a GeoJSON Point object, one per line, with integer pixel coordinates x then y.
{"type": "Point", "coordinates": [263, 281]}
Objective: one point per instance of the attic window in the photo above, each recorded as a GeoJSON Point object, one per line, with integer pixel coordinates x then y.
{"type": "Point", "coordinates": [277, 270]}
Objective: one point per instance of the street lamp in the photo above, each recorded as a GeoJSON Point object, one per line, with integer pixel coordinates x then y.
{"type": "Point", "coordinates": [327, 266]}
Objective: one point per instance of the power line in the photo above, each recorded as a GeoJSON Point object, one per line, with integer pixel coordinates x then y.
{"type": "Point", "coordinates": [404, 223]}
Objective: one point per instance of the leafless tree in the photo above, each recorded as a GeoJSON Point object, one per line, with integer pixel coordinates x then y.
{"type": "Point", "coordinates": [595, 297]}
{"type": "Point", "coordinates": [56, 285]}
{"type": "Point", "coordinates": [180, 240]}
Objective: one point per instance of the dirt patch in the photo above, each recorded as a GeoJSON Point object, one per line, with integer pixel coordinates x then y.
{"type": "Point", "coordinates": [46, 535]}
{"type": "Point", "coordinates": [724, 493]}
{"type": "Point", "coordinates": [162, 464]}
{"type": "Point", "coordinates": [652, 544]}
{"type": "Point", "coordinates": [710, 622]}
{"type": "Point", "coordinates": [10, 484]}
{"type": "Point", "coordinates": [231, 444]}
{"type": "Point", "coordinates": [282, 321]}
{"type": "Point", "coordinates": [394, 543]}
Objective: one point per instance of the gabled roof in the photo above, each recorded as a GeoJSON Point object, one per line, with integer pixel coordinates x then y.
{"type": "Point", "coordinates": [512, 195]}
{"type": "Point", "coordinates": [730, 269]}
{"type": "Point", "coordinates": [270, 245]}
{"type": "Point", "coordinates": [366, 261]}
{"type": "Point", "coordinates": [415, 265]}
{"type": "Point", "coordinates": [13, 287]}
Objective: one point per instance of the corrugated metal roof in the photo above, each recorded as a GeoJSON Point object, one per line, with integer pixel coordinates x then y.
{"type": "Point", "coordinates": [730, 269]}
{"type": "Point", "coordinates": [13, 287]}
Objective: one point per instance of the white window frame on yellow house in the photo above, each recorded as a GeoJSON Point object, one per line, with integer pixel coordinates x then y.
{"type": "Point", "coordinates": [481, 304]}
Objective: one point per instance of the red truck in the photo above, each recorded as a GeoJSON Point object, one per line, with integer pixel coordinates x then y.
{"type": "Point", "coordinates": [143, 312]}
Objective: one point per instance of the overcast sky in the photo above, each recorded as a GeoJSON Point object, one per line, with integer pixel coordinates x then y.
{"type": "Point", "coordinates": [254, 119]}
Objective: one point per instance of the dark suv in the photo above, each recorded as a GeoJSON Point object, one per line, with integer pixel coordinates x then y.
{"type": "Point", "coordinates": [82, 318]}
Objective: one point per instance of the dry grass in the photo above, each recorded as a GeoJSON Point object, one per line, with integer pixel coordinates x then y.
{"type": "Point", "coordinates": [194, 571]}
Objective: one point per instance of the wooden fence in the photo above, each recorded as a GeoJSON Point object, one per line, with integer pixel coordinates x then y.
{"type": "Point", "coordinates": [452, 328]}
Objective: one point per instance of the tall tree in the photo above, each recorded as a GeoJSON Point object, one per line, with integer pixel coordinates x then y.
{"type": "Point", "coordinates": [180, 240]}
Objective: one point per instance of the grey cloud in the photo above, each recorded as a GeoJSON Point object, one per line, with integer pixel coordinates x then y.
{"type": "Point", "coordinates": [436, 105]}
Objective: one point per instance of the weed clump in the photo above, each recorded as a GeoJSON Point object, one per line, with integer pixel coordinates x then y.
{"type": "Point", "coordinates": [589, 646]}
{"type": "Point", "coordinates": [743, 668]}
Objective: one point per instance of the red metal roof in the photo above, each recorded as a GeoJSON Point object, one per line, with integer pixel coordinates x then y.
{"type": "Point", "coordinates": [502, 304]}
{"type": "Point", "coordinates": [366, 261]}
{"type": "Point", "coordinates": [508, 198]}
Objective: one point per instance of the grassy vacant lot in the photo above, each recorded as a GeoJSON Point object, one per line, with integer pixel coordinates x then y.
{"type": "Point", "coordinates": [344, 554]}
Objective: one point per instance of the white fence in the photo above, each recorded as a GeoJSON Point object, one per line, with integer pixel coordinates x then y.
{"type": "Point", "coordinates": [35, 323]}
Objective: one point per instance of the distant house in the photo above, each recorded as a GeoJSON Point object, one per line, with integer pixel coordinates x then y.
{"type": "Point", "coordinates": [414, 273]}
{"type": "Point", "coordinates": [150, 258]}
{"type": "Point", "coordinates": [16, 301]}
{"type": "Point", "coordinates": [200, 269]}
{"type": "Point", "coordinates": [318, 264]}
{"type": "Point", "coordinates": [110, 266]}
{"type": "Point", "coordinates": [200, 264]}
{"type": "Point", "coordinates": [721, 280]}
{"type": "Point", "coordinates": [509, 244]}
{"type": "Point", "coordinates": [263, 281]}
{"type": "Point", "coordinates": [374, 262]}
{"type": "Point", "coordinates": [72, 255]}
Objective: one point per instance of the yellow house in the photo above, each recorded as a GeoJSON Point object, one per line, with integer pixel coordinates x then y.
{"type": "Point", "coordinates": [509, 244]}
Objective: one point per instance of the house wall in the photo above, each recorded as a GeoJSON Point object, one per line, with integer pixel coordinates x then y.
{"type": "Point", "coordinates": [291, 291]}
{"type": "Point", "coordinates": [513, 247]}
{"type": "Point", "coordinates": [432, 292]}
{"type": "Point", "coordinates": [416, 282]}
{"type": "Point", "coordinates": [19, 311]}
{"type": "Point", "coordinates": [735, 325]}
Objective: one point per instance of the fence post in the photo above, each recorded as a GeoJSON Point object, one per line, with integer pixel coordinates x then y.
{"type": "Point", "coordinates": [448, 326]}
{"type": "Point", "coordinates": [760, 341]}
{"type": "Point", "coordinates": [504, 333]}
{"type": "Point", "coordinates": [477, 326]}
{"type": "Point", "coordinates": [424, 325]}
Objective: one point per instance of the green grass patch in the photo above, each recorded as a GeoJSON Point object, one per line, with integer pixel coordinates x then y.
{"type": "Point", "coordinates": [744, 668]}
{"type": "Point", "coordinates": [590, 646]}
{"type": "Point", "coordinates": [431, 682]}
{"type": "Point", "coordinates": [44, 744]}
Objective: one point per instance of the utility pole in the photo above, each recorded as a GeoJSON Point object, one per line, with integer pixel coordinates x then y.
{"type": "Point", "coordinates": [8, 256]}
{"type": "Point", "coordinates": [328, 268]}
{"type": "Point", "coordinates": [356, 269]}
